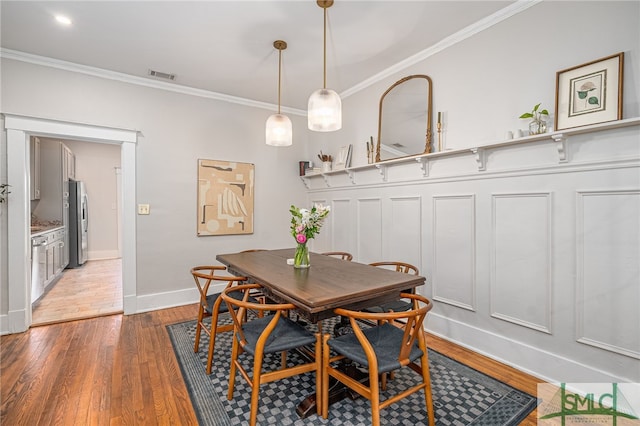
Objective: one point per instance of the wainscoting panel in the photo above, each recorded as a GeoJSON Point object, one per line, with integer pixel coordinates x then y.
{"type": "Point", "coordinates": [369, 226]}
{"type": "Point", "coordinates": [454, 255]}
{"type": "Point", "coordinates": [521, 273]}
{"type": "Point", "coordinates": [341, 219]}
{"type": "Point", "coordinates": [608, 249]}
{"type": "Point", "coordinates": [529, 248]}
{"type": "Point", "coordinates": [403, 238]}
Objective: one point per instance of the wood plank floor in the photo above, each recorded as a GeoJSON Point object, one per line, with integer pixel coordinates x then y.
{"type": "Point", "coordinates": [92, 290]}
{"type": "Point", "coordinates": [121, 370]}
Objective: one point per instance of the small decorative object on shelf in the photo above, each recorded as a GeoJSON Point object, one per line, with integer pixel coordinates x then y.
{"type": "Point", "coordinates": [538, 124]}
{"type": "Point", "coordinates": [326, 162]}
{"type": "Point", "coordinates": [439, 131]}
{"type": "Point", "coordinates": [305, 224]}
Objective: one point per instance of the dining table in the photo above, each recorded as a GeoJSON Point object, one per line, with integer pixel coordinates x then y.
{"type": "Point", "coordinates": [316, 291]}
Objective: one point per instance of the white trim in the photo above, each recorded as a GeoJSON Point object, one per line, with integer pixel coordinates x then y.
{"type": "Point", "coordinates": [445, 43]}
{"type": "Point", "coordinates": [542, 364]}
{"type": "Point", "coordinates": [19, 129]}
{"type": "Point", "coordinates": [141, 81]}
{"type": "Point", "coordinates": [453, 39]}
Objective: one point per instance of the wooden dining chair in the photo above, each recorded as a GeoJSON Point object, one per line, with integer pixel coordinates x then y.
{"type": "Point", "coordinates": [272, 333]}
{"type": "Point", "coordinates": [380, 349]}
{"type": "Point", "coordinates": [339, 254]}
{"type": "Point", "coordinates": [396, 305]}
{"type": "Point", "coordinates": [211, 305]}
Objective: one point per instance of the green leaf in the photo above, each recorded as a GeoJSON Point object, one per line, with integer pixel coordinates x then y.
{"type": "Point", "coordinates": [535, 108]}
{"type": "Point", "coordinates": [582, 94]}
{"type": "Point", "coordinates": [545, 112]}
{"type": "Point", "coordinates": [526, 115]}
{"type": "Point", "coordinates": [593, 101]}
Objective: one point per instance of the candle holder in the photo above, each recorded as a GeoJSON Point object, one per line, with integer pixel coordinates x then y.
{"type": "Point", "coordinates": [439, 125]}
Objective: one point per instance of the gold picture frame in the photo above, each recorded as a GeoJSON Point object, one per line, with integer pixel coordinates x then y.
{"type": "Point", "coordinates": [590, 93]}
{"type": "Point", "coordinates": [225, 197]}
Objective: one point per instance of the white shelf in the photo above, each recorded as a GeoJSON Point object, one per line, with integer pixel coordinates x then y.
{"type": "Point", "coordinates": [559, 137]}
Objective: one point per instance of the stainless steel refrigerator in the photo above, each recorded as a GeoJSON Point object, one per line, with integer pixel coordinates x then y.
{"type": "Point", "coordinates": [78, 224]}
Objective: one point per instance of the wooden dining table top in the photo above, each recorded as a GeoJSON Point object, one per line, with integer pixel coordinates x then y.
{"type": "Point", "coordinates": [327, 284]}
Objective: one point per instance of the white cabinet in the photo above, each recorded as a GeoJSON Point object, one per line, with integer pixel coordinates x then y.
{"type": "Point", "coordinates": [34, 169]}
{"type": "Point", "coordinates": [69, 169]}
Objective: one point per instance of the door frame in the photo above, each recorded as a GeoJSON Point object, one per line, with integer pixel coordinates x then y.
{"type": "Point", "coordinates": [19, 130]}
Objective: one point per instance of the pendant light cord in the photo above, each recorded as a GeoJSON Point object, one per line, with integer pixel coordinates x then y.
{"type": "Point", "coordinates": [324, 77]}
{"type": "Point", "coordinates": [279, 76]}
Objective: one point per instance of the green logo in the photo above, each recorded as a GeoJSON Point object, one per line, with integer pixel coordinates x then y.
{"type": "Point", "coordinates": [605, 405]}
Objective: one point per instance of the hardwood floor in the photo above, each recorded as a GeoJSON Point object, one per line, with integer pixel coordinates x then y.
{"type": "Point", "coordinates": [121, 370]}
{"type": "Point", "coordinates": [92, 290]}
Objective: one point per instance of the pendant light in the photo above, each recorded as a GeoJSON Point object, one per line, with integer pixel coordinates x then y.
{"type": "Point", "coordinates": [325, 107]}
{"type": "Point", "coordinates": [278, 130]}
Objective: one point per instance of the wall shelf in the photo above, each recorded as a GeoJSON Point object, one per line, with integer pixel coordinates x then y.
{"type": "Point", "coordinates": [480, 154]}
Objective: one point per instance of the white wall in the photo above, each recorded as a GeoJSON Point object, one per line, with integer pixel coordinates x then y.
{"type": "Point", "coordinates": [484, 83]}
{"type": "Point", "coordinates": [529, 261]}
{"type": "Point", "coordinates": [175, 131]}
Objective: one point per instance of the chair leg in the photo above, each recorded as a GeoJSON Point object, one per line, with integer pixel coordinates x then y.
{"type": "Point", "coordinates": [374, 394]}
{"type": "Point", "coordinates": [196, 347]}
{"type": "Point", "coordinates": [232, 370]}
{"type": "Point", "coordinates": [426, 378]}
{"type": "Point", "coordinates": [283, 359]}
{"type": "Point", "coordinates": [325, 376]}
{"type": "Point", "coordinates": [319, 375]}
{"type": "Point", "coordinates": [255, 388]}
{"type": "Point", "coordinates": [212, 340]}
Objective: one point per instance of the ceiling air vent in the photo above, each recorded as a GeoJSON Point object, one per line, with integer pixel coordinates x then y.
{"type": "Point", "coordinates": [163, 75]}
{"type": "Point", "coordinates": [398, 145]}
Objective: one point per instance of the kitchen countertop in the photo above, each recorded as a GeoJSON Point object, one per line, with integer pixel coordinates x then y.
{"type": "Point", "coordinates": [37, 230]}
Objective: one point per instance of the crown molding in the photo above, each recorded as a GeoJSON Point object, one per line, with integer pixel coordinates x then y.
{"type": "Point", "coordinates": [465, 33]}
{"type": "Point", "coordinates": [475, 28]}
{"type": "Point", "coordinates": [140, 81]}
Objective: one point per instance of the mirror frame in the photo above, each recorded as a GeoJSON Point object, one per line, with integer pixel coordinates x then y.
{"type": "Point", "coordinates": [428, 136]}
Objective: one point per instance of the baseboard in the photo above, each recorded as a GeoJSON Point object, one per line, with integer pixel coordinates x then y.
{"type": "Point", "coordinates": [169, 299]}
{"type": "Point", "coordinates": [4, 325]}
{"type": "Point", "coordinates": [103, 254]}
{"type": "Point", "coordinates": [547, 366]}
{"type": "Point", "coordinates": [13, 322]}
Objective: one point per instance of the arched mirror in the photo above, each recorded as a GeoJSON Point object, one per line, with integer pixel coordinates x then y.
{"type": "Point", "coordinates": [404, 122]}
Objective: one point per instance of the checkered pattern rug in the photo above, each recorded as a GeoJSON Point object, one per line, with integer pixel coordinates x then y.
{"type": "Point", "coordinates": [462, 395]}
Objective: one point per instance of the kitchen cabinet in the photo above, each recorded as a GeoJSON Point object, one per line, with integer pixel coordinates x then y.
{"type": "Point", "coordinates": [47, 258]}
{"type": "Point", "coordinates": [57, 163]}
{"type": "Point", "coordinates": [34, 169]}
{"type": "Point", "coordinates": [69, 168]}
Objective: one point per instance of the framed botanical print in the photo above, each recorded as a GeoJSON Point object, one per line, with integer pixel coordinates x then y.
{"type": "Point", "coordinates": [590, 93]}
{"type": "Point", "coordinates": [225, 197]}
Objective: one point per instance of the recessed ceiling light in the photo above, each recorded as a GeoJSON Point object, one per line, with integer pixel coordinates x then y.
{"type": "Point", "coordinates": [63, 20]}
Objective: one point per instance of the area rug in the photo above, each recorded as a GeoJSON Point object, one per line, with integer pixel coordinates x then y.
{"type": "Point", "coordinates": [461, 395]}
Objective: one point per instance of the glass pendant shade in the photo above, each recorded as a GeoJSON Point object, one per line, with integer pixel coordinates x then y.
{"type": "Point", "coordinates": [279, 130]}
{"type": "Point", "coordinates": [324, 111]}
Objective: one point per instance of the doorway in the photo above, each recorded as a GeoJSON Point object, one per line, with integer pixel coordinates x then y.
{"type": "Point", "coordinates": [19, 129]}
{"type": "Point", "coordinates": [95, 287]}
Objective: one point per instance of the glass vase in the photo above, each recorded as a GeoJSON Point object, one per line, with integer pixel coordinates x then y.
{"type": "Point", "coordinates": [537, 127]}
{"type": "Point", "coordinates": [301, 258]}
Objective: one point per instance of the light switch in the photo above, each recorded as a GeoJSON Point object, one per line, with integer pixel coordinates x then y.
{"type": "Point", "coordinates": [143, 208]}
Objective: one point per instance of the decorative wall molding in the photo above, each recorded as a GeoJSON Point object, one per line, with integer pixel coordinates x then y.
{"type": "Point", "coordinates": [607, 252]}
{"type": "Point", "coordinates": [521, 241]}
{"type": "Point", "coordinates": [454, 253]}
{"type": "Point", "coordinates": [513, 258]}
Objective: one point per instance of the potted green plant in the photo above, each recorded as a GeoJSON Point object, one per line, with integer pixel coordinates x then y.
{"type": "Point", "coordinates": [538, 124]}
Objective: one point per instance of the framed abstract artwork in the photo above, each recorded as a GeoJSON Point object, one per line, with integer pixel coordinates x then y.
{"type": "Point", "coordinates": [225, 197]}
{"type": "Point", "coordinates": [590, 93]}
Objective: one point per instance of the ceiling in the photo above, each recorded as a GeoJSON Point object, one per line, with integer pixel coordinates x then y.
{"type": "Point", "coordinates": [226, 47]}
